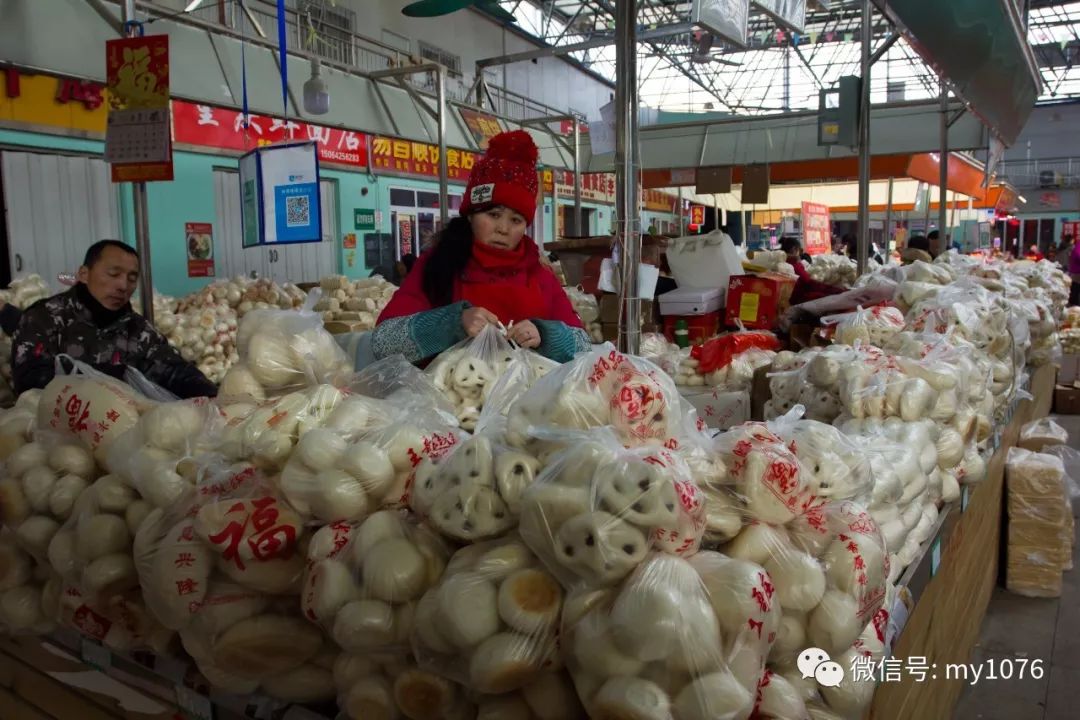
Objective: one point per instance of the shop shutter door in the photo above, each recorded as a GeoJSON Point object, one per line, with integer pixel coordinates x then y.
{"type": "Point", "coordinates": [236, 259]}
{"type": "Point", "coordinates": [57, 206]}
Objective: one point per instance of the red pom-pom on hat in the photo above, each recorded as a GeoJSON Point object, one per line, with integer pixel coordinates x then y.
{"type": "Point", "coordinates": [515, 145]}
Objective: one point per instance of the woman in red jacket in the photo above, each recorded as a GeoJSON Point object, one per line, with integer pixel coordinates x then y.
{"type": "Point", "coordinates": [483, 269]}
{"type": "Point", "coordinates": [806, 287]}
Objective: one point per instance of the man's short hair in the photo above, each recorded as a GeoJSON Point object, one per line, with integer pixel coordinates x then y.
{"type": "Point", "coordinates": [933, 235]}
{"type": "Point", "coordinates": [790, 244]}
{"type": "Point", "coordinates": [95, 251]}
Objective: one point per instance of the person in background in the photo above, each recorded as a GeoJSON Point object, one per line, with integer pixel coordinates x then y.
{"type": "Point", "coordinates": [404, 267]}
{"type": "Point", "coordinates": [1051, 254]}
{"type": "Point", "coordinates": [1034, 254]}
{"type": "Point", "coordinates": [1074, 273]}
{"type": "Point", "coordinates": [484, 270]}
{"type": "Point", "coordinates": [806, 287]}
{"type": "Point", "coordinates": [851, 249]}
{"type": "Point", "coordinates": [1064, 251]}
{"type": "Point", "coordinates": [917, 248]}
{"type": "Point", "coordinates": [934, 244]}
{"type": "Point", "coordinates": [94, 323]}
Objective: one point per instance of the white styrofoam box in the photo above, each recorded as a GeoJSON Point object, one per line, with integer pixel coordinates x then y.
{"type": "Point", "coordinates": [691, 301]}
{"type": "Point", "coordinates": [702, 261]}
{"type": "Point", "coordinates": [719, 409]}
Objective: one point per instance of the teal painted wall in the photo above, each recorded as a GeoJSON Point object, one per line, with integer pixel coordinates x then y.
{"type": "Point", "coordinates": [190, 198]}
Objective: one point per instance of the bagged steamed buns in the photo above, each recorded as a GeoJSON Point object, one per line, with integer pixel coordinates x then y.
{"type": "Point", "coordinates": [232, 528]}
{"type": "Point", "coordinates": [597, 509]}
{"type": "Point", "coordinates": [282, 350]}
{"type": "Point", "coordinates": [492, 622]}
{"type": "Point", "coordinates": [604, 387]}
{"type": "Point", "coordinates": [468, 373]}
{"type": "Point", "coordinates": [475, 491]}
{"type": "Point", "coordinates": [95, 408]}
{"type": "Point", "coordinates": [29, 593]}
{"type": "Point", "coordinates": [363, 582]}
{"type": "Point", "coordinates": [653, 647]}
{"type": "Point", "coordinates": [868, 326]}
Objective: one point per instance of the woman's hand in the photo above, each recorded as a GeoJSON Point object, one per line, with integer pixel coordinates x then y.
{"type": "Point", "coordinates": [525, 334]}
{"type": "Point", "coordinates": [475, 319]}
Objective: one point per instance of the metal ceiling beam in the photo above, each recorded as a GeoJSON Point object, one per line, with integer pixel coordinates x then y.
{"type": "Point", "coordinates": [556, 50]}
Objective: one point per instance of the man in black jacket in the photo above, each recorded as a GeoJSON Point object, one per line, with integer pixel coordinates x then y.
{"type": "Point", "coordinates": [95, 324]}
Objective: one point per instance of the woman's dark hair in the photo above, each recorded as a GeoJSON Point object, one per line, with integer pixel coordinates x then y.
{"type": "Point", "coordinates": [790, 244]}
{"type": "Point", "coordinates": [450, 252]}
{"type": "Point", "coordinates": [408, 260]}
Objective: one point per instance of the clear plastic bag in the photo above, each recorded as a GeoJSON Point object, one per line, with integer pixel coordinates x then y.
{"type": "Point", "coordinates": [871, 326]}
{"type": "Point", "coordinates": [386, 686]}
{"type": "Point", "coordinates": [595, 511]}
{"type": "Point", "coordinates": [467, 373]}
{"type": "Point", "coordinates": [90, 405]}
{"type": "Point", "coordinates": [605, 387]}
{"type": "Point", "coordinates": [363, 581]}
{"type": "Point", "coordinates": [492, 623]}
{"type": "Point", "coordinates": [585, 305]}
{"type": "Point", "coordinates": [474, 492]}
{"type": "Point", "coordinates": [655, 645]}
{"type": "Point", "coordinates": [1037, 434]}
{"type": "Point", "coordinates": [284, 350]}
{"type": "Point", "coordinates": [29, 603]}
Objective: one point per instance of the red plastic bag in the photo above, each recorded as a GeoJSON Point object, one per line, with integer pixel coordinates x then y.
{"type": "Point", "coordinates": [719, 351]}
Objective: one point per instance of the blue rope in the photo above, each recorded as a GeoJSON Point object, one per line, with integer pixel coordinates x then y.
{"type": "Point", "coordinates": [283, 56]}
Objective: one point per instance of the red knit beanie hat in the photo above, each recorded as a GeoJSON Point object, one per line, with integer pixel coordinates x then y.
{"type": "Point", "coordinates": [506, 175]}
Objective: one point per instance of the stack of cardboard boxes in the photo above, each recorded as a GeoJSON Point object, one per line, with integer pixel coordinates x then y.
{"type": "Point", "coordinates": [1067, 392]}
{"type": "Point", "coordinates": [1040, 535]}
{"type": "Point", "coordinates": [609, 316]}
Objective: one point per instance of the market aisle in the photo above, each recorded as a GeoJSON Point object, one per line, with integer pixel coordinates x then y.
{"type": "Point", "coordinates": [1033, 629]}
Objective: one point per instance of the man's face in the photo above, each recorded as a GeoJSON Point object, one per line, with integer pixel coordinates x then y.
{"type": "Point", "coordinates": [113, 278]}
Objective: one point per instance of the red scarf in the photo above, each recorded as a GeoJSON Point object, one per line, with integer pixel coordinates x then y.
{"type": "Point", "coordinates": [505, 282]}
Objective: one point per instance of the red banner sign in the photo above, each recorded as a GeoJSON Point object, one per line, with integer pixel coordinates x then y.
{"type": "Point", "coordinates": [817, 233]}
{"type": "Point", "coordinates": [697, 215]}
{"type": "Point", "coordinates": [199, 239]}
{"type": "Point", "coordinates": [209, 126]}
{"type": "Point", "coordinates": [414, 158]}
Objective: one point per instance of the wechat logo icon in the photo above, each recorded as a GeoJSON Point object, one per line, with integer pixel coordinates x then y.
{"type": "Point", "coordinates": [816, 663]}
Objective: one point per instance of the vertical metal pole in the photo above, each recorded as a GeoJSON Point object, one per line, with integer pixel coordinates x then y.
{"type": "Point", "coordinates": [682, 215]}
{"type": "Point", "coordinates": [943, 166]}
{"type": "Point", "coordinates": [444, 171]}
{"type": "Point", "coordinates": [577, 180]}
{"type": "Point", "coordinates": [627, 196]}
{"type": "Point", "coordinates": [864, 140]}
{"type": "Point", "coordinates": [716, 209]}
{"type": "Point", "coordinates": [888, 222]}
{"type": "Point", "coordinates": [787, 78]}
{"type": "Point", "coordinates": [141, 210]}
{"type": "Point", "coordinates": [952, 214]}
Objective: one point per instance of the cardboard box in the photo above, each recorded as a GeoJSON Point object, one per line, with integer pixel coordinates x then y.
{"type": "Point", "coordinates": [610, 331]}
{"type": "Point", "coordinates": [1066, 400]}
{"type": "Point", "coordinates": [59, 685]}
{"type": "Point", "coordinates": [758, 301]}
{"type": "Point", "coordinates": [1069, 373]}
{"type": "Point", "coordinates": [701, 327]}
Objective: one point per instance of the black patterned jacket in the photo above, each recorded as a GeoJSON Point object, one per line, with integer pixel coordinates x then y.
{"type": "Point", "coordinates": [65, 323]}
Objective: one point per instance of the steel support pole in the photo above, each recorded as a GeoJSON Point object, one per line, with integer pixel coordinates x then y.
{"type": "Point", "coordinates": [943, 182]}
{"type": "Point", "coordinates": [578, 230]}
{"type": "Point", "coordinates": [888, 222]}
{"type": "Point", "coordinates": [627, 197]}
{"type": "Point", "coordinates": [864, 140]}
{"type": "Point", "coordinates": [444, 170]}
{"type": "Point", "coordinates": [682, 215]}
{"type": "Point", "coordinates": [140, 208]}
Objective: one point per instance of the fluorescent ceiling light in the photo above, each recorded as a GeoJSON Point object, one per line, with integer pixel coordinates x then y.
{"type": "Point", "coordinates": [192, 5]}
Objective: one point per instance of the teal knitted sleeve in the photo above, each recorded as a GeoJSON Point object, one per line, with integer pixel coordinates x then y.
{"type": "Point", "coordinates": [559, 341]}
{"type": "Point", "coordinates": [421, 335]}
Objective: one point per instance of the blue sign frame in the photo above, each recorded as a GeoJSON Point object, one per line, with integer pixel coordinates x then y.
{"type": "Point", "coordinates": [285, 181]}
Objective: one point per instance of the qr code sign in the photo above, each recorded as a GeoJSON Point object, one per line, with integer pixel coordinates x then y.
{"type": "Point", "coordinates": [297, 211]}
